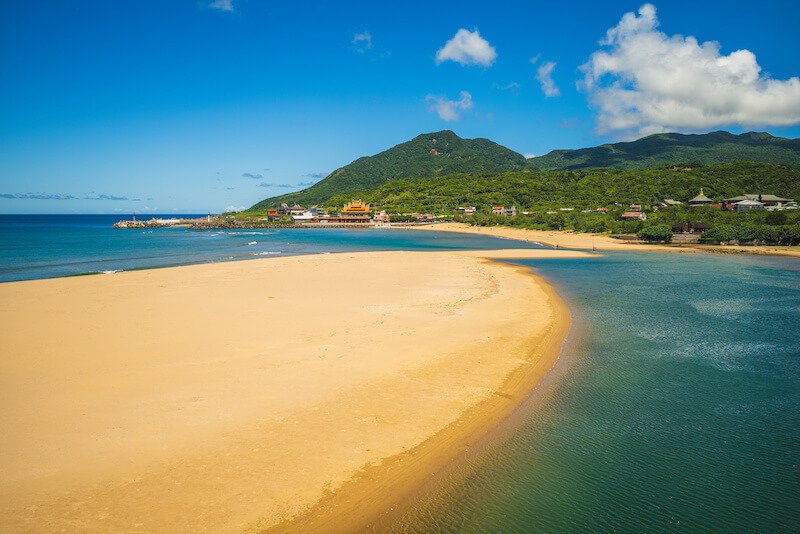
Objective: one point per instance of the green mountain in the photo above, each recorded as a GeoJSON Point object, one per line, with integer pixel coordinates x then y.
{"type": "Point", "coordinates": [425, 156]}
{"type": "Point", "coordinates": [588, 188]}
{"type": "Point", "coordinates": [444, 153]}
{"type": "Point", "coordinates": [660, 150]}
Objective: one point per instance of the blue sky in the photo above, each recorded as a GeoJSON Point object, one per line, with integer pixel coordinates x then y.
{"type": "Point", "coordinates": [196, 106]}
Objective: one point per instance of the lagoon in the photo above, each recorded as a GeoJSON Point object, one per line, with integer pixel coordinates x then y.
{"type": "Point", "coordinates": [675, 407]}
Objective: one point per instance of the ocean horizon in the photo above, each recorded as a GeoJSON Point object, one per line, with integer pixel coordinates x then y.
{"type": "Point", "coordinates": [50, 246]}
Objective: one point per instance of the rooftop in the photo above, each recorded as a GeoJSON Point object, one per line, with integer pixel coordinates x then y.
{"type": "Point", "coordinates": [700, 198]}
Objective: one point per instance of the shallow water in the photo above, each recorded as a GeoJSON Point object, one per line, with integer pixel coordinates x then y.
{"type": "Point", "coordinates": [46, 246]}
{"type": "Point", "coordinates": [675, 407]}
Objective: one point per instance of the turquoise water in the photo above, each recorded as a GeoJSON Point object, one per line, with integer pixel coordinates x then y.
{"type": "Point", "coordinates": [675, 408]}
{"type": "Point", "coordinates": [46, 246]}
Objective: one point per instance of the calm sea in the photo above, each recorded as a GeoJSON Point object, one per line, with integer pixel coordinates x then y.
{"type": "Point", "coordinates": [675, 406]}
{"type": "Point", "coordinates": [46, 246]}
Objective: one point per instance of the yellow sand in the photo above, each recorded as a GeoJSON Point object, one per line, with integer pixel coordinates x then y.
{"type": "Point", "coordinates": [236, 396]}
{"type": "Point", "coordinates": [572, 240]}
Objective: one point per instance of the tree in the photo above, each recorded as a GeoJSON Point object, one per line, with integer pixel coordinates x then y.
{"type": "Point", "coordinates": [656, 232]}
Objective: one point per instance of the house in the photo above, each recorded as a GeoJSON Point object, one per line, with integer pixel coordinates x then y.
{"type": "Point", "coordinates": [434, 152]}
{"type": "Point", "coordinates": [747, 204]}
{"type": "Point", "coordinates": [306, 216]}
{"type": "Point", "coordinates": [690, 228]}
{"type": "Point", "coordinates": [631, 215]}
{"type": "Point", "coordinates": [510, 212]}
{"type": "Point", "coordinates": [688, 232]}
{"type": "Point", "coordinates": [466, 210]}
{"type": "Point", "coordinates": [296, 210]}
{"type": "Point", "coordinates": [498, 210]}
{"type": "Point", "coordinates": [635, 207]}
{"type": "Point", "coordinates": [770, 202]}
{"type": "Point", "coordinates": [700, 200]}
{"type": "Point", "coordinates": [601, 210]}
{"type": "Point", "coordinates": [668, 202]}
{"type": "Point", "coordinates": [566, 209]}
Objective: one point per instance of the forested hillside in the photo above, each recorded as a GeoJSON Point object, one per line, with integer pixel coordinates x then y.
{"type": "Point", "coordinates": [580, 188]}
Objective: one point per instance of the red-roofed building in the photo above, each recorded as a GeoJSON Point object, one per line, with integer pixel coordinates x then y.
{"type": "Point", "coordinates": [630, 215]}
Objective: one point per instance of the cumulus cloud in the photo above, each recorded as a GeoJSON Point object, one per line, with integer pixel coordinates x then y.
{"type": "Point", "coordinates": [316, 175]}
{"type": "Point", "coordinates": [253, 175]}
{"type": "Point", "coordinates": [448, 110]}
{"type": "Point", "coordinates": [544, 75]}
{"type": "Point", "coordinates": [222, 5]}
{"type": "Point", "coordinates": [362, 41]}
{"type": "Point", "coordinates": [467, 48]}
{"type": "Point", "coordinates": [529, 155]}
{"type": "Point", "coordinates": [233, 208]}
{"type": "Point", "coordinates": [305, 184]}
{"type": "Point", "coordinates": [37, 196]}
{"type": "Point", "coordinates": [644, 81]}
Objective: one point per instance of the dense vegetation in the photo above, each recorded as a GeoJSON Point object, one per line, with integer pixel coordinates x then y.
{"type": "Point", "coordinates": [778, 227]}
{"type": "Point", "coordinates": [537, 191]}
{"type": "Point", "coordinates": [412, 159]}
{"type": "Point", "coordinates": [660, 150]}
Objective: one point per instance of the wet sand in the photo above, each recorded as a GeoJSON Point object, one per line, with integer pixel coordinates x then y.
{"type": "Point", "coordinates": [287, 393]}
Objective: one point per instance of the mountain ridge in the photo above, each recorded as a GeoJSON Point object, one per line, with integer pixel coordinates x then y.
{"type": "Point", "coordinates": [426, 155]}
{"type": "Point", "coordinates": [442, 153]}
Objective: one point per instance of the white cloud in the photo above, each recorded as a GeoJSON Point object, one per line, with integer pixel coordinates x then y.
{"type": "Point", "coordinates": [362, 41]}
{"type": "Point", "coordinates": [544, 74]}
{"type": "Point", "coordinates": [234, 208]}
{"type": "Point", "coordinates": [467, 48]}
{"type": "Point", "coordinates": [448, 110]}
{"type": "Point", "coordinates": [529, 155]}
{"type": "Point", "coordinates": [644, 81]}
{"type": "Point", "coordinates": [222, 5]}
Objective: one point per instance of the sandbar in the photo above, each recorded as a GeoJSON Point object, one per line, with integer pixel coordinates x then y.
{"type": "Point", "coordinates": [286, 393]}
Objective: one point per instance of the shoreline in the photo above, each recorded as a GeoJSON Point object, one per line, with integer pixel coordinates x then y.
{"type": "Point", "coordinates": [206, 427]}
{"type": "Point", "coordinates": [354, 507]}
{"type": "Point", "coordinates": [578, 241]}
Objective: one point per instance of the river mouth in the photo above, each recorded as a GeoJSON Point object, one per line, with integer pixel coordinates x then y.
{"type": "Point", "coordinates": [675, 404]}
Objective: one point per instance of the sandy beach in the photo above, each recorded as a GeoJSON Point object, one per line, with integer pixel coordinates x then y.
{"type": "Point", "coordinates": [285, 393]}
{"type": "Point", "coordinates": [603, 242]}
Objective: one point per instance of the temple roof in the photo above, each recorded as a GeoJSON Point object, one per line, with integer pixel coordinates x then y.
{"type": "Point", "coordinates": [700, 198]}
